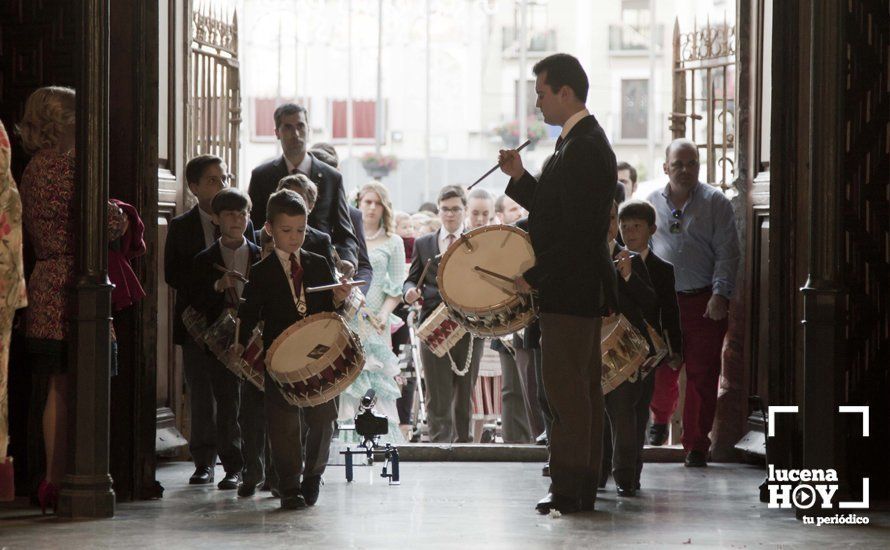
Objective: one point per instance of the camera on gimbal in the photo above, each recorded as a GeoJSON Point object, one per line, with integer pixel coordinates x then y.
{"type": "Point", "coordinates": [369, 424]}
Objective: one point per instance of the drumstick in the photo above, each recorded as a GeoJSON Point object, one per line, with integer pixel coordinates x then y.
{"type": "Point", "coordinates": [630, 255]}
{"type": "Point", "coordinates": [231, 272]}
{"type": "Point", "coordinates": [493, 274]}
{"type": "Point", "coordinates": [322, 288]}
{"type": "Point", "coordinates": [426, 267]}
{"type": "Point", "coordinates": [496, 166]}
{"type": "Point", "coordinates": [237, 330]}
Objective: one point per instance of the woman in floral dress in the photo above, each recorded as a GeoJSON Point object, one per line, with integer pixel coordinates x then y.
{"type": "Point", "coordinates": [50, 219]}
{"type": "Point", "coordinates": [373, 323]}
{"type": "Point", "coordinates": [12, 296]}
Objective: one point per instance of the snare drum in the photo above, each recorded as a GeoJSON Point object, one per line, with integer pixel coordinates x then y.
{"type": "Point", "coordinates": [220, 336]}
{"type": "Point", "coordinates": [487, 304]}
{"type": "Point", "coordinates": [315, 359]}
{"type": "Point", "coordinates": [251, 365]}
{"type": "Point", "coordinates": [195, 324]}
{"type": "Point", "coordinates": [624, 350]}
{"type": "Point", "coordinates": [439, 331]}
{"type": "Point", "coordinates": [661, 351]}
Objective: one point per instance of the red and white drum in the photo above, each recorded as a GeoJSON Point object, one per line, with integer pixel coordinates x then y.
{"type": "Point", "coordinates": [440, 332]}
{"type": "Point", "coordinates": [624, 350]}
{"type": "Point", "coordinates": [251, 365]}
{"type": "Point", "coordinates": [315, 360]}
{"type": "Point", "coordinates": [475, 279]}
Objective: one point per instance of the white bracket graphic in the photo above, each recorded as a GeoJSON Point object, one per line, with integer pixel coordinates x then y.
{"type": "Point", "coordinates": [771, 416]}
{"type": "Point", "coordinates": [861, 504]}
{"type": "Point", "coordinates": [863, 410]}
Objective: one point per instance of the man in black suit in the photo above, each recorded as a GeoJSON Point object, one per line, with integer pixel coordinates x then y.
{"type": "Point", "coordinates": [331, 213]}
{"type": "Point", "coordinates": [187, 235]}
{"type": "Point", "coordinates": [276, 295]}
{"type": "Point", "coordinates": [573, 275]}
{"type": "Point", "coordinates": [326, 153]}
{"type": "Point", "coordinates": [449, 394]}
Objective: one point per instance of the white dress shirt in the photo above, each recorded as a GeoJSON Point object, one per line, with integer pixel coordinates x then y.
{"type": "Point", "coordinates": [443, 237]}
{"type": "Point", "coordinates": [284, 258]}
{"type": "Point", "coordinates": [236, 259]}
{"type": "Point", "coordinates": [574, 119]}
{"type": "Point", "coordinates": [304, 167]}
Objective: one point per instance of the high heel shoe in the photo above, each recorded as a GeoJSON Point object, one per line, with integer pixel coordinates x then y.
{"type": "Point", "coordinates": [48, 496]}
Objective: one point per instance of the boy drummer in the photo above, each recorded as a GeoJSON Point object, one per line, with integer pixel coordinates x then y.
{"type": "Point", "coordinates": [276, 294]}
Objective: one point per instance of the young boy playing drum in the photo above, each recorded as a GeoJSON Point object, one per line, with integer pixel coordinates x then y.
{"type": "Point", "coordinates": [637, 221]}
{"type": "Point", "coordinates": [636, 300]}
{"type": "Point", "coordinates": [212, 293]}
{"type": "Point", "coordinates": [213, 433]}
{"type": "Point", "coordinates": [276, 295]}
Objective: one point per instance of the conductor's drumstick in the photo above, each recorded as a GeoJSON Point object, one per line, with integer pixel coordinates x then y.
{"type": "Point", "coordinates": [493, 274]}
{"type": "Point", "coordinates": [496, 166]}
{"type": "Point", "coordinates": [322, 288]}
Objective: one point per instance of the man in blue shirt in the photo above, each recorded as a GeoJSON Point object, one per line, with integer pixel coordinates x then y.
{"type": "Point", "coordinates": [695, 232]}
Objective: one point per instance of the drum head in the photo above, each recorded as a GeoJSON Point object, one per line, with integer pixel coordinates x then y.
{"type": "Point", "coordinates": [292, 357]}
{"type": "Point", "coordinates": [501, 249]}
{"type": "Point", "coordinates": [315, 359]}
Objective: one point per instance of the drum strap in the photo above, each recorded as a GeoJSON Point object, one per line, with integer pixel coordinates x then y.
{"type": "Point", "coordinates": [466, 369]}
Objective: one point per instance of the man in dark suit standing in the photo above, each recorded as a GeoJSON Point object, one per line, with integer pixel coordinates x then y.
{"type": "Point", "coordinates": [331, 213]}
{"type": "Point", "coordinates": [574, 276]}
{"type": "Point", "coordinates": [449, 392]}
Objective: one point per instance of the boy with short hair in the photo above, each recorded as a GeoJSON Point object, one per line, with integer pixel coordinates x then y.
{"type": "Point", "coordinates": [637, 223]}
{"type": "Point", "coordinates": [187, 235]}
{"type": "Point", "coordinates": [212, 293]}
{"type": "Point", "coordinates": [276, 295]}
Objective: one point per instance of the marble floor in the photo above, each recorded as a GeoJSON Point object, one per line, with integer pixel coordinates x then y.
{"type": "Point", "coordinates": [450, 505]}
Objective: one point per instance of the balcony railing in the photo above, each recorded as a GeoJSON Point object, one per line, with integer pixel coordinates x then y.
{"type": "Point", "coordinates": [538, 40]}
{"type": "Point", "coordinates": [634, 38]}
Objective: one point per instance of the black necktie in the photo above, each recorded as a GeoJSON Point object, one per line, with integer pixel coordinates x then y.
{"type": "Point", "coordinates": [559, 141]}
{"type": "Point", "coordinates": [295, 171]}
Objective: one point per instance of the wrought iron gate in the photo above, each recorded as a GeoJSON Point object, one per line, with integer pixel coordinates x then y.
{"type": "Point", "coordinates": [214, 88]}
{"type": "Point", "coordinates": [704, 93]}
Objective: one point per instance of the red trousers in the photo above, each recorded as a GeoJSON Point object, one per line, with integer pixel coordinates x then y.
{"type": "Point", "coordinates": [702, 352]}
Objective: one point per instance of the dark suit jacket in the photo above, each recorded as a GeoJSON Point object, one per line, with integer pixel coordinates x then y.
{"type": "Point", "coordinates": [636, 297]}
{"type": "Point", "coordinates": [363, 271]}
{"type": "Point", "coordinates": [662, 274]}
{"type": "Point", "coordinates": [331, 212]}
{"type": "Point", "coordinates": [267, 296]}
{"type": "Point", "coordinates": [185, 239]}
{"type": "Point", "coordinates": [425, 247]}
{"type": "Point", "coordinates": [319, 243]}
{"type": "Point", "coordinates": [568, 222]}
{"type": "Point", "coordinates": [202, 295]}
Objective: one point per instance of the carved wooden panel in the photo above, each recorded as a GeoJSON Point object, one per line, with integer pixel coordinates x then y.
{"type": "Point", "coordinates": [865, 219]}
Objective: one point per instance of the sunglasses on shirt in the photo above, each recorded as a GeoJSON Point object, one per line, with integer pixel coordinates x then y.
{"type": "Point", "coordinates": [676, 225]}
